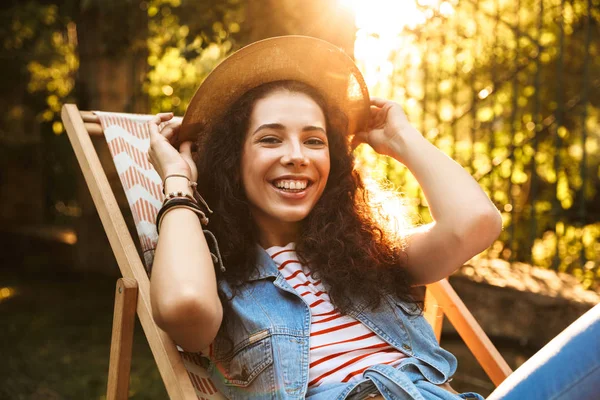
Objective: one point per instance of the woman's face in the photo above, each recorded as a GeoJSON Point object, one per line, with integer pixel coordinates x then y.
{"type": "Point", "coordinates": [285, 163]}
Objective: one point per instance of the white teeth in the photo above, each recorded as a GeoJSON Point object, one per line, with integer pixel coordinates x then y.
{"type": "Point", "coordinates": [292, 185]}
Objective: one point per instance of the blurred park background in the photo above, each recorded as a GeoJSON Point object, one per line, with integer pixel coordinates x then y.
{"type": "Point", "coordinates": [508, 88]}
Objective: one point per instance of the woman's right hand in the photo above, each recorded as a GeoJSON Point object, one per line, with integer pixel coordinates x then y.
{"type": "Point", "coordinates": [162, 154]}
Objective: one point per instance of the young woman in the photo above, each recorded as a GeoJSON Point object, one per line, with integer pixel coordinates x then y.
{"type": "Point", "coordinates": [309, 296]}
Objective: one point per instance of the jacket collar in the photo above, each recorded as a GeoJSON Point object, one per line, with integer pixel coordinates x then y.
{"type": "Point", "coordinates": [265, 266]}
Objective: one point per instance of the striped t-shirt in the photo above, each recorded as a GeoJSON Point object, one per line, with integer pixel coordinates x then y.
{"type": "Point", "coordinates": [341, 347]}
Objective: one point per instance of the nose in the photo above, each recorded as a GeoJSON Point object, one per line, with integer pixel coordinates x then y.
{"type": "Point", "coordinates": [294, 155]}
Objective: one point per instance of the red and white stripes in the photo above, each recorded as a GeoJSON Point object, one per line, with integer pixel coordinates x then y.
{"type": "Point", "coordinates": [127, 136]}
{"type": "Point", "coordinates": [205, 389]}
{"type": "Point", "coordinates": [341, 348]}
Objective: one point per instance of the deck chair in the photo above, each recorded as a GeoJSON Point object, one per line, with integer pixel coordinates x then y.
{"type": "Point", "coordinates": [184, 373]}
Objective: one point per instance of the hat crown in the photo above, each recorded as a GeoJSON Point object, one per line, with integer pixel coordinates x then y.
{"type": "Point", "coordinates": [309, 60]}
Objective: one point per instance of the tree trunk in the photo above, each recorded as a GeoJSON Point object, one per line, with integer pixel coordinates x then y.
{"type": "Point", "coordinates": [324, 19]}
{"type": "Point", "coordinates": [110, 78]}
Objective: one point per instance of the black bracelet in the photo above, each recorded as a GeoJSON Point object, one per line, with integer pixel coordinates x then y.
{"type": "Point", "coordinates": [179, 202]}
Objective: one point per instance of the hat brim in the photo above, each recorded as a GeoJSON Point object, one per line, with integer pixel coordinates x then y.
{"type": "Point", "coordinates": [309, 60]}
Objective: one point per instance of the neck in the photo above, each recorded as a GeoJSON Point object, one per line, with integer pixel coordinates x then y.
{"type": "Point", "coordinates": [279, 234]}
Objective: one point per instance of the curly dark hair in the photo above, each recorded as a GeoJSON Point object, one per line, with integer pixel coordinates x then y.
{"type": "Point", "coordinates": [340, 239]}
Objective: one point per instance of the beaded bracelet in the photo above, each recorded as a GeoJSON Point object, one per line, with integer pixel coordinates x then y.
{"type": "Point", "coordinates": [172, 176]}
{"type": "Point", "coordinates": [173, 195]}
{"type": "Point", "coordinates": [191, 185]}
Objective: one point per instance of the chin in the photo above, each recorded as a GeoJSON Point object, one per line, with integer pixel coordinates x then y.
{"type": "Point", "coordinates": [292, 216]}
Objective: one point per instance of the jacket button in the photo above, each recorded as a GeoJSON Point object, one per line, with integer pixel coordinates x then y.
{"type": "Point", "coordinates": [406, 347]}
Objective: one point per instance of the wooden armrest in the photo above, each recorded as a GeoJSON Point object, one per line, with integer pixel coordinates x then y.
{"type": "Point", "coordinates": [469, 330]}
{"type": "Point", "coordinates": [122, 339]}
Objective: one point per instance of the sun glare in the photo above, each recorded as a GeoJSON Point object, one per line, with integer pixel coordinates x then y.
{"type": "Point", "coordinates": [380, 25]}
{"type": "Point", "coordinates": [386, 45]}
{"type": "Point", "coordinates": [385, 17]}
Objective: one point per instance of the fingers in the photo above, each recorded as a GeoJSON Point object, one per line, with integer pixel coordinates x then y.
{"type": "Point", "coordinates": [359, 137]}
{"type": "Point", "coordinates": [374, 111]}
{"type": "Point", "coordinates": [186, 153]}
{"type": "Point", "coordinates": [379, 102]}
{"type": "Point", "coordinates": [186, 149]}
{"type": "Point", "coordinates": [170, 131]}
{"type": "Point", "coordinates": [153, 128]}
{"type": "Point", "coordinates": [383, 110]}
{"type": "Point", "coordinates": [155, 134]}
{"type": "Point", "coordinates": [162, 117]}
{"type": "Point", "coordinates": [378, 116]}
{"type": "Point", "coordinates": [157, 120]}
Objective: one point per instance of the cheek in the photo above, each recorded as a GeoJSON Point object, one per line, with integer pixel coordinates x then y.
{"type": "Point", "coordinates": [249, 179]}
{"type": "Point", "coordinates": [245, 175]}
{"type": "Point", "coordinates": [325, 166]}
{"type": "Point", "coordinates": [248, 156]}
{"type": "Point", "coordinates": [254, 168]}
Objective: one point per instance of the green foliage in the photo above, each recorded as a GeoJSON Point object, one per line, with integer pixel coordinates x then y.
{"type": "Point", "coordinates": [186, 40]}
{"type": "Point", "coordinates": [502, 90]}
{"type": "Point", "coordinates": [40, 44]}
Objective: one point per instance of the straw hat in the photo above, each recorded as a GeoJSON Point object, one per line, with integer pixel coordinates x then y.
{"type": "Point", "coordinates": [312, 61]}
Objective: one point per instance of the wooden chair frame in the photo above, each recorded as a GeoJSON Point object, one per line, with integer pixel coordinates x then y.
{"type": "Point", "coordinates": [133, 290]}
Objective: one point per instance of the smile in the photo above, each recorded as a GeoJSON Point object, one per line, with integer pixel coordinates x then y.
{"type": "Point", "coordinates": [292, 186]}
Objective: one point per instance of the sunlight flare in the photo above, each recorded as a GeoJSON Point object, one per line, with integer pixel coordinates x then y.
{"type": "Point", "coordinates": [381, 37]}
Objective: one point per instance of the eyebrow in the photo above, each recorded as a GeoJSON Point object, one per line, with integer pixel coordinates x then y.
{"type": "Point", "coordinates": [282, 127]}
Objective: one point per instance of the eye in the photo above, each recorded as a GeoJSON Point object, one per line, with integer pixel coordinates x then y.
{"type": "Point", "coordinates": [315, 142]}
{"type": "Point", "coordinates": [269, 140]}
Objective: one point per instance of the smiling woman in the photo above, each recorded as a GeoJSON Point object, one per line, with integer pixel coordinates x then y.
{"type": "Point", "coordinates": [316, 297]}
{"type": "Point", "coordinates": [287, 135]}
{"type": "Point", "coordinates": [276, 167]}
{"type": "Point", "coordinates": [285, 163]}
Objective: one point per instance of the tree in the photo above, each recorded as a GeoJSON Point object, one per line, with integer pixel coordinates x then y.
{"type": "Point", "coordinates": [510, 90]}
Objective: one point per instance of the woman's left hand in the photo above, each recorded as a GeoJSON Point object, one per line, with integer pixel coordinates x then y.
{"type": "Point", "coordinates": [387, 124]}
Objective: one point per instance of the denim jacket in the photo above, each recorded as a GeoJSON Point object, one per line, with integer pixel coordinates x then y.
{"type": "Point", "coordinates": [266, 352]}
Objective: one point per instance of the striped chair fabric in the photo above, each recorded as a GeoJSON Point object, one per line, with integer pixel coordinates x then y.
{"type": "Point", "coordinates": [128, 139]}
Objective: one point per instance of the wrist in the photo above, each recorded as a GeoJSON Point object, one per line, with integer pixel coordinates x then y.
{"type": "Point", "coordinates": [407, 142]}
{"type": "Point", "coordinates": [176, 184]}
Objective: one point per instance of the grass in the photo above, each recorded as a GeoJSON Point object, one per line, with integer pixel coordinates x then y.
{"type": "Point", "coordinates": [55, 339]}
